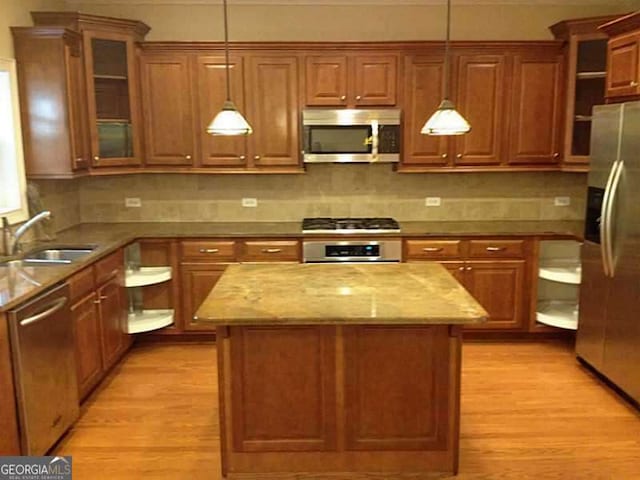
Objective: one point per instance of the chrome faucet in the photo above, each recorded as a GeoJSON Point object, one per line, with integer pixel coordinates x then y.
{"type": "Point", "coordinates": [17, 248]}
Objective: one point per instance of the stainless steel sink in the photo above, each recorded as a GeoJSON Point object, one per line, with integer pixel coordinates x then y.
{"type": "Point", "coordinates": [53, 256]}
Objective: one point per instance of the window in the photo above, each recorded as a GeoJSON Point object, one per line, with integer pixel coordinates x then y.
{"type": "Point", "coordinates": [13, 202]}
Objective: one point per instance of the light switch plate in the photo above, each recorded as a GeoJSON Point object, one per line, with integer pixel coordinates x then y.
{"type": "Point", "coordinates": [250, 202]}
{"type": "Point", "coordinates": [562, 201]}
{"type": "Point", "coordinates": [132, 202]}
{"type": "Point", "coordinates": [432, 202]}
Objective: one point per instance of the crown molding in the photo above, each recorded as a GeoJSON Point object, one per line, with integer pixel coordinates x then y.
{"type": "Point", "coordinates": [347, 2]}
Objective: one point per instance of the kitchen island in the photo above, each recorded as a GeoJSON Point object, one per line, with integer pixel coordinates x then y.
{"type": "Point", "coordinates": [330, 369]}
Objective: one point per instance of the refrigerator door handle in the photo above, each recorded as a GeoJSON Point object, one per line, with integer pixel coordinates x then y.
{"type": "Point", "coordinates": [605, 230]}
{"type": "Point", "coordinates": [609, 214]}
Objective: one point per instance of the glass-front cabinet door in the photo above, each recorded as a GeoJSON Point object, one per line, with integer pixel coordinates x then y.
{"type": "Point", "coordinates": [113, 99]}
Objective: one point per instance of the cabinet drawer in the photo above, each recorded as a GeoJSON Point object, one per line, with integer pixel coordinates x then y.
{"type": "Point", "coordinates": [427, 249]}
{"type": "Point", "coordinates": [270, 251]}
{"type": "Point", "coordinates": [496, 248]}
{"type": "Point", "coordinates": [209, 251]}
{"type": "Point", "coordinates": [81, 284]}
{"type": "Point", "coordinates": [109, 267]}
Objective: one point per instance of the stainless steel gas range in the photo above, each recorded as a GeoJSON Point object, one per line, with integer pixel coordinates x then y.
{"type": "Point", "coordinates": [340, 245]}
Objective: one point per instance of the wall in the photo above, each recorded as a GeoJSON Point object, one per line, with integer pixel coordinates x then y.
{"type": "Point", "coordinates": [16, 13]}
{"type": "Point", "coordinates": [194, 20]}
{"type": "Point", "coordinates": [332, 190]}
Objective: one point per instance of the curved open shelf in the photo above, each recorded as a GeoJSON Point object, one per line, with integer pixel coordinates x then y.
{"type": "Point", "coordinates": [148, 320]}
{"type": "Point", "coordinates": [147, 276]}
{"type": "Point", "coordinates": [558, 314]}
{"type": "Point", "coordinates": [566, 271]}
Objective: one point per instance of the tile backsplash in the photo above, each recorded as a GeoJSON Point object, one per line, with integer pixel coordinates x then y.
{"type": "Point", "coordinates": [326, 190]}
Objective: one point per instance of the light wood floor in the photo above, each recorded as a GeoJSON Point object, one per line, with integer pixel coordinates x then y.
{"type": "Point", "coordinates": [529, 411]}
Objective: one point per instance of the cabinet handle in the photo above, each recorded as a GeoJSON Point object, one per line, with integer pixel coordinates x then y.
{"type": "Point", "coordinates": [256, 157]}
{"type": "Point", "coordinates": [96, 158]}
{"type": "Point", "coordinates": [97, 302]}
{"type": "Point", "coordinates": [195, 318]}
{"type": "Point", "coordinates": [459, 155]}
{"type": "Point", "coordinates": [271, 250]}
{"type": "Point", "coordinates": [432, 249]}
{"type": "Point", "coordinates": [358, 98]}
{"type": "Point", "coordinates": [103, 297]}
{"type": "Point", "coordinates": [556, 155]}
{"type": "Point", "coordinates": [495, 249]}
{"type": "Point", "coordinates": [469, 269]}
{"type": "Point", "coordinates": [461, 269]}
{"type": "Point", "coordinates": [343, 98]}
{"type": "Point", "coordinates": [188, 157]}
{"type": "Point", "coordinates": [209, 250]}
{"type": "Point", "coordinates": [633, 84]}
{"type": "Point", "coordinates": [444, 155]}
{"type": "Point", "coordinates": [242, 157]}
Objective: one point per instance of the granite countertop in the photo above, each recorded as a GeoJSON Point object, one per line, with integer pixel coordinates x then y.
{"type": "Point", "coordinates": [311, 294]}
{"type": "Point", "coordinates": [18, 285]}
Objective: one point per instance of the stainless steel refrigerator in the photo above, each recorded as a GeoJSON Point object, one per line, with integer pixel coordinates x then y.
{"type": "Point", "coordinates": [608, 335]}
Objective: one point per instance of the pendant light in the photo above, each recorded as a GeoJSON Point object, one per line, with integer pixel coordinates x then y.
{"type": "Point", "coordinates": [446, 120]}
{"type": "Point", "coordinates": [229, 121]}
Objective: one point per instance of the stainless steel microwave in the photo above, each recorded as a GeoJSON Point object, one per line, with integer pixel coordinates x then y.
{"type": "Point", "coordinates": [351, 136]}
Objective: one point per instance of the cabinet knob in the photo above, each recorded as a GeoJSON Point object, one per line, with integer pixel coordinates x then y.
{"type": "Point", "coordinates": [256, 157]}
{"type": "Point", "coordinates": [242, 157]}
{"type": "Point", "coordinates": [96, 158]}
{"type": "Point", "coordinates": [461, 269]}
{"type": "Point", "coordinates": [444, 155]}
{"type": "Point", "coordinates": [469, 268]}
{"type": "Point", "coordinates": [459, 155]}
{"type": "Point", "coordinates": [188, 157]}
{"type": "Point", "coordinates": [358, 98]}
{"type": "Point", "coordinates": [343, 98]}
{"type": "Point", "coordinates": [633, 84]}
{"type": "Point", "coordinates": [103, 297]}
{"type": "Point", "coordinates": [97, 302]}
{"type": "Point", "coordinates": [556, 155]}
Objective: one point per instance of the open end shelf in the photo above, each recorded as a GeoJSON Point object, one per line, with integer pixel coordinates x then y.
{"type": "Point", "coordinates": [147, 276]}
{"type": "Point", "coordinates": [557, 313]}
{"type": "Point", "coordinates": [148, 320]}
{"type": "Point", "coordinates": [566, 271]}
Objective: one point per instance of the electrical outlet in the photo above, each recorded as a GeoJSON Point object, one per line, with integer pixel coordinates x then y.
{"type": "Point", "coordinates": [562, 201]}
{"type": "Point", "coordinates": [132, 202]}
{"type": "Point", "coordinates": [432, 202]}
{"type": "Point", "coordinates": [250, 202]}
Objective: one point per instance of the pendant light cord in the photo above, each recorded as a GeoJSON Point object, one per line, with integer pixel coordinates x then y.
{"type": "Point", "coordinates": [446, 52]}
{"type": "Point", "coordinates": [226, 49]}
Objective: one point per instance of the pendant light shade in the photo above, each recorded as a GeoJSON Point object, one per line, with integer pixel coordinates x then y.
{"type": "Point", "coordinates": [229, 121]}
{"type": "Point", "coordinates": [446, 120]}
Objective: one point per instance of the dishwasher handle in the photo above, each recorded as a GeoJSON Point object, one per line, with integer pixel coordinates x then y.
{"type": "Point", "coordinates": [52, 308]}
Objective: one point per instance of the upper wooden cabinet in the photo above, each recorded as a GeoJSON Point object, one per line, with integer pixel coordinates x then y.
{"type": "Point", "coordinates": [112, 86]}
{"type": "Point", "coordinates": [351, 80]}
{"type": "Point", "coordinates": [51, 72]}
{"type": "Point", "coordinates": [586, 55]}
{"type": "Point", "coordinates": [623, 57]}
{"type": "Point", "coordinates": [168, 110]}
{"type": "Point", "coordinates": [535, 137]}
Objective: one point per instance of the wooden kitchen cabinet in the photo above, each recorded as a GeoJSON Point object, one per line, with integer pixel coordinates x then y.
{"type": "Point", "coordinates": [623, 58]}
{"type": "Point", "coordinates": [351, 80]}
{"type": "Point", "coordinates": [167, 110]}
{"type": "Point", "coordinates": [112, 84]}
{"type": "Point", "coordinates": [50, 71]}
{"type": "Point", "coordinates": [270, 251]}
{"type": "Point", "coordinates": [86, 321]}
{"type": "Point", "coordinates": [197, 282]}
{"type": "Point", "coordinates": [535, 131]}
{"type": "Point", "coordinates": [494, 271]}
{"type": "Point", "coordinates": [586, 53]}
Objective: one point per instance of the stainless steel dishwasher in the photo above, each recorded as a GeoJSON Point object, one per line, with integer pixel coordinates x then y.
{"type": "Point", "coordinates": [42, 347]}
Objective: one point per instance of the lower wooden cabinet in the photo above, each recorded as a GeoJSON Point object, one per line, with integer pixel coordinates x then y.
{"type": "Point", "coordinates": [86, 323]}
{"type": "Point", "coordinates": [112, 308]}
{"type": "Point", "coordinates": [197, 282]}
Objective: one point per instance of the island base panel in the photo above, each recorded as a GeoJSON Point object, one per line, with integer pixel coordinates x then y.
{"type": "Point", "coordinates": [333, 399]}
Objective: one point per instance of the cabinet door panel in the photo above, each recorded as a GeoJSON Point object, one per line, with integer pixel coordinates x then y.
{"type": "Point", "coordinates": [326, 80]}
{"type": "Point", "coordinates": [274, 111]}
{"type": "Point", "coordinates": [219, 151]}
{"type": "Point", "coordinates": [197, 282]}
{"type": "Point", "coordinates": [375, 80]}
{"type": "Point", "coordinates": [86, 323]}
{"type": "Point", "coordinates": [113, 315]}
{"type": "Point", "coordinates": [168, 115]}
{"type": "Point", "coordinates": [283, 388]}
{"type": "Point", "coordinates": [78, 120]}
{"type": "Point", "coordinates": [623, 76]}
{"type": "Point", "coordinates": [499, 287]}
{"type": "Point", "coordinates": [480, 100]}
{"type": "Point", "coordinates": [423, 94]}
{"type": "Point", "coordinates": [535, 114]}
